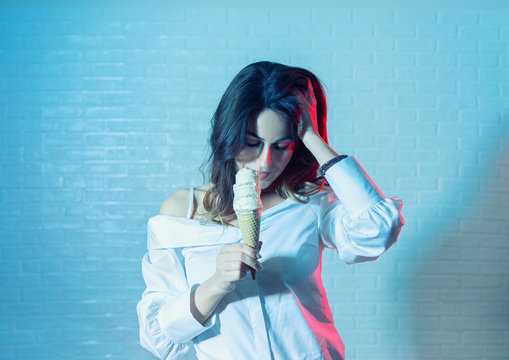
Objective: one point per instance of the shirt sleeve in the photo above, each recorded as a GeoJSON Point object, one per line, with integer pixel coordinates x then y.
{"type": "Point", "coordinates": [166, 323]}
{"type": "Point", "coordinates": [357, 219]}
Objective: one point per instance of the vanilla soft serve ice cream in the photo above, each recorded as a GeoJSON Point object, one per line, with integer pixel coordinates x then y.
{"type": "Point", "coordinates": [247, 191]}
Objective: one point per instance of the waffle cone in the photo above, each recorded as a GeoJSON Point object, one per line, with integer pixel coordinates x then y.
{"type": "Point", "coordinates": [249, 223]}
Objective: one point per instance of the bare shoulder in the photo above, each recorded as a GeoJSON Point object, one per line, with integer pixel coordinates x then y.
{"type": "Point", "coordinates": [176, 204]}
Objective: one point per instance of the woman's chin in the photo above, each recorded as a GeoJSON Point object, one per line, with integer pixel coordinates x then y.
{"type": "Point", "coordinates": [266, 186]}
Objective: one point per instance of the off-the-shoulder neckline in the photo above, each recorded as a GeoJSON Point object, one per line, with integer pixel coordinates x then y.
{"type": "Point", "coordinates": [265, 213]}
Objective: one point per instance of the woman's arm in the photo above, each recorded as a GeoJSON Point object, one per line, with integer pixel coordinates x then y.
{"type": "Point", "coordinates": [233, 261]}
{"type": "Point", "coordinates": [364, 223]}
{"type": "Point", "coordinates": [358, 220]}
{"type": "Point", "coordinates": [205, 298]}
{"type": "Point", "coordinates": [319, 148]}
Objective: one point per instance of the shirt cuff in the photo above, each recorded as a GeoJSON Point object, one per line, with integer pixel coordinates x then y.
{"type": "Point", "coordinates": [177, 322]}
{"type": "Point", "coordinates": [353, 186]}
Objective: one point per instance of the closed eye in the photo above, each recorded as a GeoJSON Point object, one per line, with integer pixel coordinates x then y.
{"type": "Point", "coordinates": [283, 147]}
{"type": "Point", "coordinates": [253, 144]}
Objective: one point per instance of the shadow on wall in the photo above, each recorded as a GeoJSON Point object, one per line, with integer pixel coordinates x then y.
{"type": "Point", "coordinates": [460, 286]}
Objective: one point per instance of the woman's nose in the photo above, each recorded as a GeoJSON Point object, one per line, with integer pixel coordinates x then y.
{"type": "Point", "coordinates": [265, 159]}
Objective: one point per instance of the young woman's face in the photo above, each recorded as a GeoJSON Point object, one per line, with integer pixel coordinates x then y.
{"type": "Point", "coordinates": [268, 147]}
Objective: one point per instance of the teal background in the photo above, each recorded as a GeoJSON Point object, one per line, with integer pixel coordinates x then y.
{"type": "Point", "coordinates": [105, 109]}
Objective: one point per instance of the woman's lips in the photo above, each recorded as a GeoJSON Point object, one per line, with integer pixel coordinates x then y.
{"type": "Point", "coordinates": [263, 174]}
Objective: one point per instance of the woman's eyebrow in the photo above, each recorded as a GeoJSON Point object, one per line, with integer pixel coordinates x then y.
{"type": "Point", "coordinates": [262, 139]}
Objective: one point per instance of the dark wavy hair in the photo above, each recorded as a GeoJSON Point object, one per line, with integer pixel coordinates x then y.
{"type": "Point", "coordinates": [261, 85]}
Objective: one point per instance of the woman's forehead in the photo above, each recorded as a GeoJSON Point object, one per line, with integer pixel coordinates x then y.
{"type": "Point", "coordinates": [269, 125]}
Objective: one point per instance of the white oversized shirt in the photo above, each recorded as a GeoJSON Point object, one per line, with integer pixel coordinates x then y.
{"type": "Point", "coordinates": [283, 314]}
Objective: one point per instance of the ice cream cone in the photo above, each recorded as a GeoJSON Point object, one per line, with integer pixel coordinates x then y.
{"type": "Point", "coordinates": [249, 223]}
{"type": "Point", "coordinates": [248, 206]}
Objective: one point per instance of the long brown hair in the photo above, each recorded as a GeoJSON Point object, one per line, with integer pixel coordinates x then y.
{"type": "Point", "coordinates": [259, 86]}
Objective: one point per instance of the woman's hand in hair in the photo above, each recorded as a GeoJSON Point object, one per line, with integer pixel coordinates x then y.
{"type": "Point", "coordinates": [308, 122]}
{"type": "Point", "coordinates": [233, 263]}
{"type": "Point", "coordinates": [308, 128]}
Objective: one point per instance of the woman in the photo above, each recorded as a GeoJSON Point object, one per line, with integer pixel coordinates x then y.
{"type": "Point", "coordinates": [272, 119]}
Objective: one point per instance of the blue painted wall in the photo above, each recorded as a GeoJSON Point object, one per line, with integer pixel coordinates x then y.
{"type": "Point", "coordinates": [104, 111]}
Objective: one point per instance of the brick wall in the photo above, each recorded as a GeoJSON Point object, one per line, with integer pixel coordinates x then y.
{"type": "Point", "coordinates": [105, 111]}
